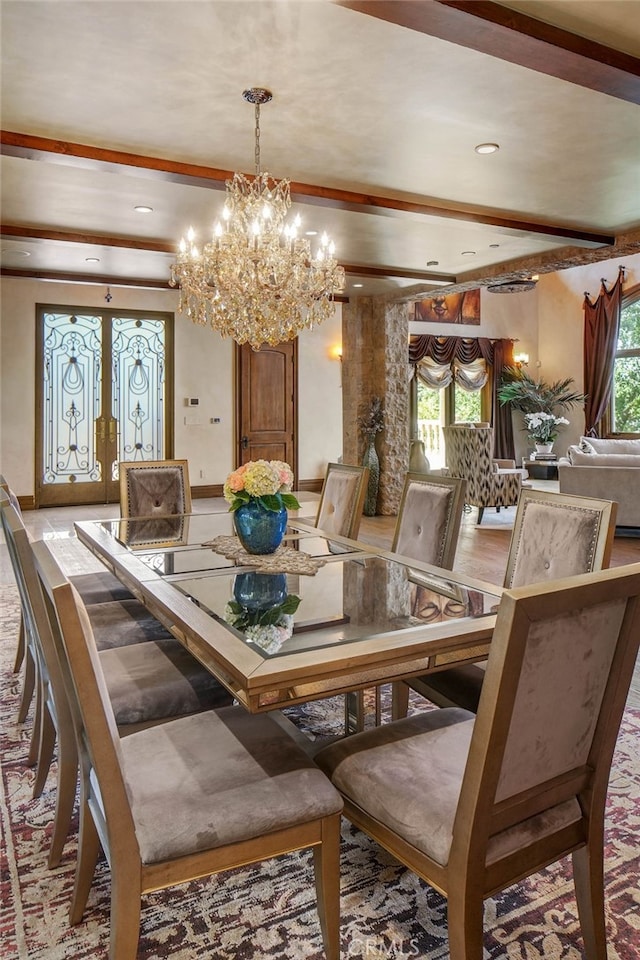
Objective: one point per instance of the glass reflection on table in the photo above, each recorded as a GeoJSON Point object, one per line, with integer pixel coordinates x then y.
{"type": "Point", "coordinates": [350, 598]}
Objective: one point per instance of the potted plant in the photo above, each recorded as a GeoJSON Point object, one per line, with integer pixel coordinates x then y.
{"type": "Point", "coordinates": [524, 393]}
{"type": "Point", "coordinates": [542, 429]}
{"type": "Point", "coordinates": [539, 401]}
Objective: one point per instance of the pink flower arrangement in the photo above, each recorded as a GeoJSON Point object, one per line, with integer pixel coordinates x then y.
{"type": "Point", "coordinates": [267, 481]}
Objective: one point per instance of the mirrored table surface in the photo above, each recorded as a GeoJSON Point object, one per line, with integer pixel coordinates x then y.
{"type": "Point", "coordinates": [326, 615]}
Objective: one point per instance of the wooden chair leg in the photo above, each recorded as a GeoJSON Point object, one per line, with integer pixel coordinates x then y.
{"type": "Point", "coordinates": [46, 744]}
{"type": "Point", "coordinates": [65, 797]}
{"type": "Point", "coordinates": [126, 897]}
{"type": "Point", "coordinates": [588, 876]}
{"type": "Point", "coordinates": [326, 862]}
{"type": "Point", "coordinates": [88, 852]}
{"type": "Point", "coordinates": [354, 711]}
{"type": "Point", "coordinates": [399, 700]}
{"type": "Point", "coordinates": [27, 686]}
{"type": "Point", "coordinates": [21, 647]}
{"type": "Point", "coordinates": [36, 733]}
{"type": "Point", "coordinates": [465, 923]}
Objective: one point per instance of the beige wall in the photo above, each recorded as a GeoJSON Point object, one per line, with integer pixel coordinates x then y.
{"type": "Point", "coordinates": [203, 368]}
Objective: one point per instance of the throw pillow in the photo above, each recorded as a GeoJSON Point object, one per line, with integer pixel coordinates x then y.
{"type": "Point", "coordinates": [586, 446]}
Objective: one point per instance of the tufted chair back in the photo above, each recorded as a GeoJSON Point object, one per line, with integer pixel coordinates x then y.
{"type": "Point", "coordinates": [429, 518]}
{"type": "Point", "coordinates": [342, 499]}
{"type": "Point", "coordinates": [558, 535]}
{"type": "Point", "coordinates": [154, 488]}
{"type": "Point", "coordinates": [469, 455]}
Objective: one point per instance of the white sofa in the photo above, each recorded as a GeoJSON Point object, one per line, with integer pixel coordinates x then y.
{"type": "Point", "coordinates": [605, 468]}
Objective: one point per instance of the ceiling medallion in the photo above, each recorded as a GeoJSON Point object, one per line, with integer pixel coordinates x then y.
{"type": "Point", "coordinates": [256, 280]}
{"type": "Point", "coordinates": [512, 286]}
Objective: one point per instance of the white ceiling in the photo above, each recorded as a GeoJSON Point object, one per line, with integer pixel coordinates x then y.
{"type": "Point", "coordinates": [359, 104]}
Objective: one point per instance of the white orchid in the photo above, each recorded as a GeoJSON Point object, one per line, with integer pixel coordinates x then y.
{"type": "Point", "coordinates": [542, 427]}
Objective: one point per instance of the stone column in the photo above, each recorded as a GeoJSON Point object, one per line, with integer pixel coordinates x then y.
{"type": "Point", "coordinates": [375, 338]}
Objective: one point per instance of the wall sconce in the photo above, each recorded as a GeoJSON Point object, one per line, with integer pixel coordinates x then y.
{"type": "Point", "coordinates": [336, 352]}
{"type": "Point", "coordinates": [521, 360]}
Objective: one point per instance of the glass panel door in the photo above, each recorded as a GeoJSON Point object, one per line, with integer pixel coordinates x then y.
{"type": "Point", "coordinates": [103, 396]}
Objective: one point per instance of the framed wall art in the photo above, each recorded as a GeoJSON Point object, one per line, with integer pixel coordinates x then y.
{"type": "Point", "coordinates": [450, 308]}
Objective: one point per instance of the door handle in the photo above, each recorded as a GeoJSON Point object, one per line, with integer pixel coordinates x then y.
{"type": "Point", "coordinates": [245, 442]}
{"type": "Point", "coordinates": [113, 429]}
{"type": "Point", "coordinates": [101, 430]}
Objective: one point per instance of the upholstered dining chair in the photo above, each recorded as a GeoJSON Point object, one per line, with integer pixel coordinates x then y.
{"type": "Point", "coordinates": [473, 804]}
{"type": "Point", "coordinates": [429, 516]}
{"type": "Point", "coordinates": [490, 482]}
{"type": "Point", "coordinates": [96, 587]}
{"type": "Point", "coordinates": [147, 681]}
{"type": "Point", "coordinates": [427, 529]}
{"type": "Point", "coordinates": [185, 799]}
{"type": "Point", "coordinates": [554, 536]}
{"type": "Point", "coordinates": [154, 488]}
{"type": "Point", "coordinates": [21, 644]}
{"type": "Point", "coordinates": [342, 499]}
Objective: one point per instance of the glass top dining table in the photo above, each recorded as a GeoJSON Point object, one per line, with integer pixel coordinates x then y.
{"type": "Point", "coordinates": [323, 615]}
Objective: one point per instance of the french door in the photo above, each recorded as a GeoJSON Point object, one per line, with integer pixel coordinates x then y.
{"type": "Point", "coordinates": [104, 394]}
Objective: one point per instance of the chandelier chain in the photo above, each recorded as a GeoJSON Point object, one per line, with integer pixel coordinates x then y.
{"type": "Point", "coordinates": [257, 147]}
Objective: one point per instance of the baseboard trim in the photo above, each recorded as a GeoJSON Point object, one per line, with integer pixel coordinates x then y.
{"type": "Point", "coordinates": [310, 486]}
{"type": "Point", "coordinates": [207, 490]}
{"type": "Point", "coordinates": [27, 503]}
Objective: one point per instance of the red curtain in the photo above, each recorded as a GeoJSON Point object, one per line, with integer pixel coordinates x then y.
{"type": "Point", "coordinates": [601, 323]}
{"type": "Point", "coordinates": [496, 353]}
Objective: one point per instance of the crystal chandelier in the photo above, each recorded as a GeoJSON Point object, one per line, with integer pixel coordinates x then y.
{"type": "Point", "coordinates": [257, 281]}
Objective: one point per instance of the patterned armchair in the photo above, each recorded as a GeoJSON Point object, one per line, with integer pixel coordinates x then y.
{"type": "Point", "coordinates": [490, 483]}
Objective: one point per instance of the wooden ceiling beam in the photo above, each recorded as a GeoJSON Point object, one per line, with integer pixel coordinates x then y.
{"type": "Point", "coordinates": [27, 146]}
{"type": "Point", "coordinates": [18, 231]}
{"type": "Point", "coordinates": [507, 34]}
{"type": "Point", "coordinates": [12, 231]}
{"type": "Point", "coordinates": [94, 278]}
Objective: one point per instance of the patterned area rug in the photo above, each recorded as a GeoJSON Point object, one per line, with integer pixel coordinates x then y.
{"type": "Point", "coordinates": [269, 910]}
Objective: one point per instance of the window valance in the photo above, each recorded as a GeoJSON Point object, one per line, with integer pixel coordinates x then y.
{"type": "Point", "coordinates": [447, 349]}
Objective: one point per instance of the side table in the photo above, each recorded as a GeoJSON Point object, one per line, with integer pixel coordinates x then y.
{"type": "Point", "coordinates": [541, 469]}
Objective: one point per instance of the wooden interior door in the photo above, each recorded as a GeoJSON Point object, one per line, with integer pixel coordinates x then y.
{"type": "Point", "coordinates": [267, 398]}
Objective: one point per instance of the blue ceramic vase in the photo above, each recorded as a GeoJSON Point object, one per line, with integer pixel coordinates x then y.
{"type": "Point", "coordinates": [260, 530]}
{"type": "Point", "coordinates": [260, 591]}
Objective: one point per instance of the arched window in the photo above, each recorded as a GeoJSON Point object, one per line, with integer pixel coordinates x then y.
{"type": "Point", "coordinates": [625, 396]}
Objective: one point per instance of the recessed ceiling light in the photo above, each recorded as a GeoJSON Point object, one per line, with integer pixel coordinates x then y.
{"type": "Point", "coordinates": [357, 284]}
{"type": "Point", "coordinates": [468, 253]}
{"type": "Point", "coordinates": [92, 259]}
{"type": "Point", "coordinates": [311, 233]}
{"type": "Point", "coordinates": [432, 263]}
{"type": "Point", "coordinates": [494, 246]}
{"type": "Point", "coordinates": [142, 209]}
{"type": "Point", "coordinates": [487, 148]}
